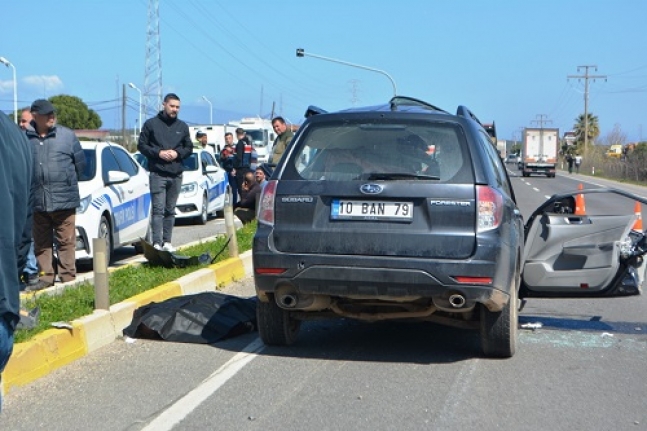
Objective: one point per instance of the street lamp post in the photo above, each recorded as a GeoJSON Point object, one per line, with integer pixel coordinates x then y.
{"type": "Point", "coordinates": [210, 109]}
{"type": "Point", "coordinates": [301, 53]}
{"type": "Point", "coordinates": [133, 86]}
{"type": "Point", "coordinates": [15, 87]}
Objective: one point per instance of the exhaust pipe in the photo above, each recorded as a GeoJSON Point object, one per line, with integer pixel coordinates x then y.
{"type": "Point", "coordinates": [457, 301]}
{"type": "Point", "coordinates": [287, 301]}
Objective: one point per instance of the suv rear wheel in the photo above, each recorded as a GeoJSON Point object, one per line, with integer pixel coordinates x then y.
{"type": "Point", "coordinates": [275, 326]}
{"type": "Point", "coordinates": [499, 329]}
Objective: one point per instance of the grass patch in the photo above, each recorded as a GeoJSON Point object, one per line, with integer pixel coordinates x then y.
{"type": "Point", "coordinates": [78, 301]}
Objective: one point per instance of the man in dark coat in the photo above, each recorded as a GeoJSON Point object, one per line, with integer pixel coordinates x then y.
{"type": "Point", "coordinates": [165, 141]}
{"type": "Point", "coordinates": [15, 229]}
{"type": "Point", "coordinates": [58, 163]}
{"type": "Point", "coordinates": [245, 209]}
{"type": "Point", "coordinates": [242, 158]}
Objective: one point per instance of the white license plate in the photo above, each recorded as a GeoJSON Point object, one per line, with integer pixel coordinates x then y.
{"type": "Point", "coordinates": [371, 210]}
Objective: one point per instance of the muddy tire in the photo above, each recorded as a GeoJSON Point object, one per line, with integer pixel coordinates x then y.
{"type": "Point", "coordinates": [275, 327]}
{"type": "Point", "coordinates": [499, 330]}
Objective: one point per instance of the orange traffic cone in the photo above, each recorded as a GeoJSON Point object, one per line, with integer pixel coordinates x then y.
{"type": "Point", "coordinates": [638, 225]}
{"type": "Point", "coordinates": [580, 208]}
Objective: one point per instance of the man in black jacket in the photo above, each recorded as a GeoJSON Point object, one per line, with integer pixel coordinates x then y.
{"type": "Point", "coordinates": [243, 158]}
{"type": "Point", "coordinates": [165, 141]}
{"type": "Point", "coordinates": [58, 163]}
{"type": "Point", "coordinates": [15, 229]}
{"type": "Point", "coordinates": [245, 209]}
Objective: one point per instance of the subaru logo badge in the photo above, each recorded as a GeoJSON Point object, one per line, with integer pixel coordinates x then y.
{"type": "Point", "coordinates": [371, 189]}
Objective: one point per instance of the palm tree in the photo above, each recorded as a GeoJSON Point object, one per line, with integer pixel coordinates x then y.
{"type": "Point", "coordinates": [593, 129]}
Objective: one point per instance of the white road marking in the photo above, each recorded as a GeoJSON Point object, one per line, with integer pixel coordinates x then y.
{"type": "Point", "coordinates": [547, 196]}
{"type": "Point", "coordinates": [454, 403]}
{"type": "Point", "coordinates": [535, 189]}
{"type": "Point", "coordinates": [185, 405]}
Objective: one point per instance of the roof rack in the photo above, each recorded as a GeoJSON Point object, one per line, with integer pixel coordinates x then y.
{"type": "Point", "coordinates": [410, 101]}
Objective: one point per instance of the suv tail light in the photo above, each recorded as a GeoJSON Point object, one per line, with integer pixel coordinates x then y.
{"type": "Point", "coordinates": [266, 205]}
{"type": "Point", "coordinates": [490, 208]}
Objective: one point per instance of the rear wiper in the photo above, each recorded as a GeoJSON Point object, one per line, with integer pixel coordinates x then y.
{"type": "Point", "coordinates": [399, 176]}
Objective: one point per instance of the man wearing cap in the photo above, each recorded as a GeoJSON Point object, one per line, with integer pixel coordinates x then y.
{"type": "Point", "coordinates": [165, 141]}
{"type": "Point", "coordinates": [202, 139]}
{"type": "Point", "coordinates": [58, 163]}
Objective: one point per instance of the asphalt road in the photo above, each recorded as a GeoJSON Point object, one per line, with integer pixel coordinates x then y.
{"type": "Point", "coordinates": [583, 369]}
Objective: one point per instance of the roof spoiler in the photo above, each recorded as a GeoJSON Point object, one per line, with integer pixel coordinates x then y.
{"type": "Point", "coordinates": [314, 110]}
{"type": "Point", "coordinates": [463, 111]}
{"type": "Point", "coordinates": [410, 101]}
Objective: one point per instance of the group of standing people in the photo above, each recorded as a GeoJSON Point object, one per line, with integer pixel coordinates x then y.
{"type": "Point", "coordinates": [246, 179]}
{"type": "Point", "coordinates": [573, 160]}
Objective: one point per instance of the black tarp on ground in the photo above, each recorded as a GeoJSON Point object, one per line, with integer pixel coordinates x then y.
{"type": "Point", "coordinates": [202, 318]}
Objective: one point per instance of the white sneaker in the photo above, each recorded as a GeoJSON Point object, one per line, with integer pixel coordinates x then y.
{"type": "Point", "coordinates": [157, 247]}
{"type": "Point", "coordinates": [168, 247]}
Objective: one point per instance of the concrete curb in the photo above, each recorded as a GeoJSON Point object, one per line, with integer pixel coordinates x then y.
{"type": "Point", "coordinates": [55, 348]}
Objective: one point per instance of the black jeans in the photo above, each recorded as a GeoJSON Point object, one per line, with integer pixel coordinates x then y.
{"type": "Point", "coordinates": [164, 193]}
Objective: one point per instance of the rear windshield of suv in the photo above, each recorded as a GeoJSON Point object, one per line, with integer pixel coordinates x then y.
{"type": "Point", "coordinates": [385, 150]}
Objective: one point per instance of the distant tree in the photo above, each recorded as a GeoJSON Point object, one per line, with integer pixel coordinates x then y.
{"type": "Point", "coordinates": [72, 112]}
{"type": "Point", "coordinates": [615, 137]}
{"type": "Point", "coordinates": [593, 129]}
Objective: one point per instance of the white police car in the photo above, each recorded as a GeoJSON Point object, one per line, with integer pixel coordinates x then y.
{"type": "Point", "coordinates": [115, 199]}
{"type": "Point", "coordinates": [204, 185]}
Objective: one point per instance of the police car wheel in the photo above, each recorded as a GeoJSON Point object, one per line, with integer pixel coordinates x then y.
{"type": "Point", "coordinates": [106, 233]}
{"type": "Point", "coordinates": [204, 214]}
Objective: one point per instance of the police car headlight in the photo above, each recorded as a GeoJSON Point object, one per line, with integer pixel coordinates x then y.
{"type": "Point", "coordinates": [85, 203]}
{"type": "Point", "coordinates": [189, 189]}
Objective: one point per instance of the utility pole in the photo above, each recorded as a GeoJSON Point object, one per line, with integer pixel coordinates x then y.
{"type": "Point", "coordinates": [353, 91]}
{"type": "Point", "coordinates": [153, 69]}
{"type": "Point", "coordinates": [124, 143]}
{"type": "Point", "coordinates": [586, 78]}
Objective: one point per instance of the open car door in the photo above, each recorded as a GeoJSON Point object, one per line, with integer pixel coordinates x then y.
{"type": "Point", "coordinates": [568, 255]}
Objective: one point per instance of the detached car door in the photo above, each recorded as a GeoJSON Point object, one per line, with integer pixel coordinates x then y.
{"type": "Point", "coordinates": [568, 255]}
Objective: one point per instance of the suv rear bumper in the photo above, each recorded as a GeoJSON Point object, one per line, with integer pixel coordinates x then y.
{"type": "Point", "coordinates": [385, 277]}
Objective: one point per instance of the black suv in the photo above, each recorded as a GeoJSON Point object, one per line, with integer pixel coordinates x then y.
{"type": "Point", "coordinates": [405, 211]}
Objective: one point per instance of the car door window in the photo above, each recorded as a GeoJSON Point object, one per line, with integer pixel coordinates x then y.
{"type": "Point", "coordinates": [206, 159]}
{"type": "Point", "coordinates": [108, 163]}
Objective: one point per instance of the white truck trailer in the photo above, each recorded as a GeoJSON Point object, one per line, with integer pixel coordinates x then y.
{"type": "Point", "coordinates": [539, 151]}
